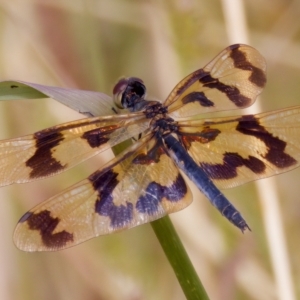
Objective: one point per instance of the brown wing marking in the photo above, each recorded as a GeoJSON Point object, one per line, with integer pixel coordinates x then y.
{"type": "Point", "coordinates": [99, 136]}
{"type": "Point", "coordinates": [131, 190]}
{"type": "Point", "coordinates": [276, 155]}
{"type": "Point", "coordinates": [236, 150]}
{"type": "Point", "coordinates": [233, 79]}
{"type": "Point", "coordinates": [241, 60]}
{"type": "Point", "coordinates": [228, 169]}
{"type": "Point", "coordinates": [42, 163]}
{"type": "Point", "coordinates": [46, 225]}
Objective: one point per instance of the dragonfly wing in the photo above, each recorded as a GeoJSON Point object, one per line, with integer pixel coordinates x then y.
{"type": "Point", "coordinates": [236, 150]}
{"type": "Point", "coordinates": [233, 79]}
{"type": "Point", "coordinates": [138, 186]}
{"type": "Point", "coordinates": [59, 148]}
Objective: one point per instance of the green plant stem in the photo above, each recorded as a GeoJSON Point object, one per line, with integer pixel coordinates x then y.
{"type": "Point", "coordinates": [179, 260]}
{"type": "Point", "coordinates": [175, 252]}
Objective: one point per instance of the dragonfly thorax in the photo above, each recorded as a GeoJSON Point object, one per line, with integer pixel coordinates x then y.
{"type": "Point", "coordinates": [165, 125]}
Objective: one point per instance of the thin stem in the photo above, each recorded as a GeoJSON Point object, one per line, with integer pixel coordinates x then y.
{"type": "Point", "coordinates": [179, 260]}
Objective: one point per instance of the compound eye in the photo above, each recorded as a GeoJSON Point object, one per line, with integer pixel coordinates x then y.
{"type": "Point", "coordinates": [129, 92]}
{"type": "Point", "coordinates": [119, 90]}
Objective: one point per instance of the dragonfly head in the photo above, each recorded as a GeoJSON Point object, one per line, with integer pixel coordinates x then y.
{"type": "Point", "coordinates": [129, 93]}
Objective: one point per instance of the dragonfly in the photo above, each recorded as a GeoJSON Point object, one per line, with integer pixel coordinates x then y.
{"type": "Point", "coordinates": [169, 138]}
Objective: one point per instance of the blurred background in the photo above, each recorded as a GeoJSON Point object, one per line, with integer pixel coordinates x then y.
{"type": "Point", "coordinates": [89, 45]}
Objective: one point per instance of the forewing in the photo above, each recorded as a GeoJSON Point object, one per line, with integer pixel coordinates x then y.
{"type": "Point", "coordinates": [139, 186]}
{"type": "Point", "coordinates": [58, 148]}
{"type": "Point", "coordinates": [233, 79]}
{"type": "Point", "coordinates": [236, 150]}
